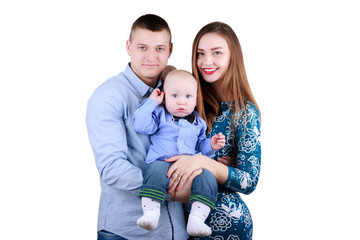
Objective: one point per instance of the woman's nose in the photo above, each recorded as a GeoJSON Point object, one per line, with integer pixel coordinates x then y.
{"type": "Point", "coordinates": [208, 60]}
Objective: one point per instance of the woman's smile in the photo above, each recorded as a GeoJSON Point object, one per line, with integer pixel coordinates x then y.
{"type": "Point", "coordinates": [209, 71]}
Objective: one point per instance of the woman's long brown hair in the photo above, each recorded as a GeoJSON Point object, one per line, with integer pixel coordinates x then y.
{"type": "Point", "coordinates": [235, 84]}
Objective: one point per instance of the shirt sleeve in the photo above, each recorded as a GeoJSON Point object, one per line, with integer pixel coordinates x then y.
{"type": "Point", "coordinates": [145, 120]}
{"type": "Point", "coordinates": [245, 176]}
{"type": "Point", "coordinates": [204, 143]}
{"type": "Point", "coordinates": [106, 124]}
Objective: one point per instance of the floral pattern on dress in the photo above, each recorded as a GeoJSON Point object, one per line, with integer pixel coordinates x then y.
{"type": "Point", "coordinates": [231, 218]}
{"type": "Point", "coordinates": [220, 221]}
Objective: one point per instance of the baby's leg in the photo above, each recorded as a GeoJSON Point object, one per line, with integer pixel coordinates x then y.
{"type": "Point", "coordinates": [152, 193]}
{"type": "Point", "coordinates": [202, 199]}
{"type": "Point", "coordinates": [196, 224]}
{"type": "Point", "coordinates": [151, 210]}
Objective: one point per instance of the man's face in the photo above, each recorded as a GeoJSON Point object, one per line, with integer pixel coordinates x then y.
{"type": "Point", "coordinates": [149, 52]}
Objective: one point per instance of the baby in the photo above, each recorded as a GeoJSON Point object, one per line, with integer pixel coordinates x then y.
{"type": "Point", "coordinates": [175, 129]}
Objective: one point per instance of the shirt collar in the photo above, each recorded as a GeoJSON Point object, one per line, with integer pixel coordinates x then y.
{"type": "Point", "coordinates": [143, 89]}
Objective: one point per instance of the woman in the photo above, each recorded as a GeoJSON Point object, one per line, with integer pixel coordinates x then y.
{"type": "Point", "coordinates": [229, 107]}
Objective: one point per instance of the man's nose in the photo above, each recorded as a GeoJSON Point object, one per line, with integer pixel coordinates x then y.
{"type": "Point", "coordinates": [151, 54]}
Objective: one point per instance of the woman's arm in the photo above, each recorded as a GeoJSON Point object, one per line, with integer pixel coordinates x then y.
{"type": "Point", "coordinates": [182, 194]}
{"type": "Point", "coordinates": [244, 177]}
{"type": "Point", "coordinates": [184, 166]}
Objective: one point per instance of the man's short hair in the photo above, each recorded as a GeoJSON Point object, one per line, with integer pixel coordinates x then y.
{"type": "Point", "coordinates": [150, 22]}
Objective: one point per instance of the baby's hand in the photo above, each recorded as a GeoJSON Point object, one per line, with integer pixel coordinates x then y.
{"type": "Point", "coordinates": [157, 95]}
{"type": "Point", "coordinates": [218, 141]}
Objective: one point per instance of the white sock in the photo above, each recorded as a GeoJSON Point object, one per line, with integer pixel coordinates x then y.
{"type": "Point", "coordinates": [196, 224]}
{"type": "Point", "coordinates": [151, 210]}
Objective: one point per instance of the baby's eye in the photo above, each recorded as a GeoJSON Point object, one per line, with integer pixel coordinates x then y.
{"type": "Point", "coordinates": [188, 96]}
{"type": "Point", "coordinates": [174, 95]}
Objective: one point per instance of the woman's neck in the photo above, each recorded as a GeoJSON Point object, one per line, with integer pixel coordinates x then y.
{"type": "Point", "coordinates": [219, 92]}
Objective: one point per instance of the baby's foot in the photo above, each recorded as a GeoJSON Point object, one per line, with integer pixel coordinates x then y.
{"type": "Point", "coordinates": [196, 227]}
{"type": "Point", "coordinates": [149, 220]}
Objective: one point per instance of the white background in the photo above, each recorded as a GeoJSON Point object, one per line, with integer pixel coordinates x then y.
{"type": "Point", "coordinates": [302, 61]}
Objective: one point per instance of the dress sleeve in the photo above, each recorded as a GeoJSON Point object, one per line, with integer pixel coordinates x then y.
{"type": "Point", "coordinates": [245, 176]}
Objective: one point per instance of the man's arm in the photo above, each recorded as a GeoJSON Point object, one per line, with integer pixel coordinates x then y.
{"type": "Point", "coordinates": [107, 134]}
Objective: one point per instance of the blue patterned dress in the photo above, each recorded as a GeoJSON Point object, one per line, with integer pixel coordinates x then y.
{"type": "Point", "coordinates": [231, 219]}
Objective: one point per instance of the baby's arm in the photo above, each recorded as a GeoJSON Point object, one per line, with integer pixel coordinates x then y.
{"type": "Point", "coordinates": [218, 141]}
{"type": "Point", "coordinates": [145, 119]}
{"type": "Point", "coordinates": [157, 95]}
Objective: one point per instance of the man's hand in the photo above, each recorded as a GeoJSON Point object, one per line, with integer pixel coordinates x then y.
{"type": "Point", "coordinates": [228, 161]}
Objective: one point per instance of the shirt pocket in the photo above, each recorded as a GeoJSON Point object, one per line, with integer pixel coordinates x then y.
{"type": "Point", "coordinates": [188, 138]}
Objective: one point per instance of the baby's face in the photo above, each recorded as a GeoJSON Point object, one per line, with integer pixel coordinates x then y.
{"type": "Point", "coordinates": [180, 94]}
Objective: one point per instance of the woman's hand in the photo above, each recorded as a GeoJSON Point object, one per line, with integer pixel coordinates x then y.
{"type": "Point", "coordinates": [184, 166]}
{"type": "Point", "coordinates": [183, 195]}
{"type": "Point", "coordinates": [182, 171]}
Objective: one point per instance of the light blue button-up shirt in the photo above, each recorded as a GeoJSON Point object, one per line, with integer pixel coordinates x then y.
{"type": "Point", "coordinates": [120, 155]}
{"type": "Point", "coordinates": [170, 138]}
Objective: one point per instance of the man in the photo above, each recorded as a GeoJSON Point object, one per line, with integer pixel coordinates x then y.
{"type": "Point", "coordinates": [119, 151]}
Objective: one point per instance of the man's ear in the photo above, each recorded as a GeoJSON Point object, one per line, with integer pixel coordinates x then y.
{"type": "Point", "coordinates": [128, 47]}
{"type": "Point", "coordinates": [170, 49]}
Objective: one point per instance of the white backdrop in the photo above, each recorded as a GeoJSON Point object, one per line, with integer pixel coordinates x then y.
{"type": "Point", "coordinates": [302, 61]}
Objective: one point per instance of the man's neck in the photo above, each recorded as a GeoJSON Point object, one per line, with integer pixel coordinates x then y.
{"type": "Point", "coordinates": [151, 82]}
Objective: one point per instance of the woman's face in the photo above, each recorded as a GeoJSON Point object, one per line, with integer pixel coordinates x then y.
{"type": "Point", "coordinates": [213, 57]}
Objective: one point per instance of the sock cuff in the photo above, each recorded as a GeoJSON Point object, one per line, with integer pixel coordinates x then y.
{"type": "Point", "coordinates": [152, 193]}
{"type": "Point", "coordinates": [205, 200]}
